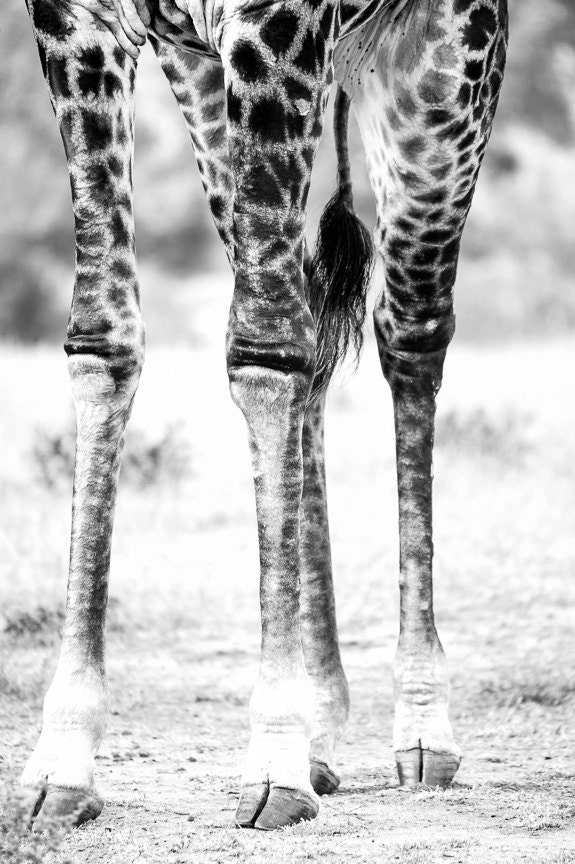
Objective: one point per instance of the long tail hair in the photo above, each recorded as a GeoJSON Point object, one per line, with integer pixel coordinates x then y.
{"type": "Point", "coordinates": [341, 268]}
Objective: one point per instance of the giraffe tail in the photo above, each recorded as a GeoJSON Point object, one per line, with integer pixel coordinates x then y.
{"type": "Point", "coordinates": [341, 268]}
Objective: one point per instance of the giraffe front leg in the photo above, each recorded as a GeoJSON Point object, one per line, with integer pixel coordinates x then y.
{"type": "Point", "coordinates": [276, 786]}
{"type": "Point", "coordinates": [277, 65]}
{"type": "Point", "coordinates": [91, 82]}
{"type": "Point", "coordinates": [318, 621]}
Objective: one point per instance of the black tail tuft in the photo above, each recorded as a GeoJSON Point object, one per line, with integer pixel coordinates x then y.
{"type": "Point", "coordinates": [341, 268]}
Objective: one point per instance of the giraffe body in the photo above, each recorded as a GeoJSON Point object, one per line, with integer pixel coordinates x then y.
{"type": "Point", "coordinates": [252, 80]}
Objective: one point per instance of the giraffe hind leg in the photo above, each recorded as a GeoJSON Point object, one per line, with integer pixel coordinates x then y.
{"type": "Point", "coordinates": [318, 620]}
{"type": "Point", "coordinates": [425, 119]}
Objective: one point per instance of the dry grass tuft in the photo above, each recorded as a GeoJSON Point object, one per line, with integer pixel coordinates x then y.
{"type": "Point", "coordinates": [18, 843]}
{"type": "Point", "coordinates": [156, 462]}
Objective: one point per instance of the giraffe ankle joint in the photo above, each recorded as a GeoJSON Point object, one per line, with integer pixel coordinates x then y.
{"type": "Point", "coordinates": [413, 353]}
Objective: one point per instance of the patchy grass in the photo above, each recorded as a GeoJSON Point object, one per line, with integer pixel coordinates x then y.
{"type": "Point", "coordinates": [145, 462]}
{"type": "Point", "coordinates": [501, 438]}
{"type": "Point", "coordinates": [19, 845]}
{"type": "Point", "coordinates": [38, 624]}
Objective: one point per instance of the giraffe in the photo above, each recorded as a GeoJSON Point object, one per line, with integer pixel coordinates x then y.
{"type": "Point", "coordinates": [252, 79]}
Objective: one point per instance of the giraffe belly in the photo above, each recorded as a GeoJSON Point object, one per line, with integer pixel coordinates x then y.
{"type": "Point", "coordinates": [172, 21]}
{"type": "Point", "coordinates": [190, 24]}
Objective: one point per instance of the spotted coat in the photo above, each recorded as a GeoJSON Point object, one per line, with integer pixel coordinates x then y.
{"type": "Point", "coordinates": [252, 78]}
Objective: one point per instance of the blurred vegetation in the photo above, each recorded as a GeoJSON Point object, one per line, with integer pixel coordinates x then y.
{"type": "Point", "coordinates": [518, 254]}
{"type": "Point", "coordinates": [146, 462]}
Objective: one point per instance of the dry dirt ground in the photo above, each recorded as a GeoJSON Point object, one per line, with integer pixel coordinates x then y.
{"type": "Point", "coordinates": [183, 624]}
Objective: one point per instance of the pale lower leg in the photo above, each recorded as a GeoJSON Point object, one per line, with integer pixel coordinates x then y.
{"type": "Point", "coordinates": [75, 708]}
{"type": "Point", "coordinates": [276, 775]}
{"type": "Point", "coordinates": [318, 620]}
{"type": "Point", "coordinates": [423, 741]}
{"type": "Point", "coordinates": [91, 84]}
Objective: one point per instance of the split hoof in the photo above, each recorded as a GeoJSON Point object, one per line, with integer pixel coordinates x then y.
{"type": "Point", "coordinates": [323, 780]}
{"type": "Point", "coordinates": [252, 801]}
{"type": "Point", "coordinates": [439, 769]}
{"type": "Point", "coordinates": [67, 806]}
{"type": "Point", "coordinates": [267, 808]}
{"type": "Point", "coordinates": [425, 766]}
{"type": "Point", "coordinates": [286, 807]}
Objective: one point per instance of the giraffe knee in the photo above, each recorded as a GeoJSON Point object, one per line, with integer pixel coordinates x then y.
{"type": "Point", "coordinates": [281, 339]}
{"type": "Point", "coordinates": [270, 373]}
{"type": "Point", "coordinates": [103, 369]}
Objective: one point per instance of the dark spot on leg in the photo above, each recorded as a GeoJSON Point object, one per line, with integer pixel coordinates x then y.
{"type": "Point", "coordinates": [58, 78]}
{"type": "Point", "coordinates": [112, 84]}
{"type": "Point", "coordinates": [120, 230]}
{"type": "Point", "coordinates": [234, 107]}
{"type": "Point", "coordinates": [49, 19]}
{"type": "Point", "coordinates": [267, 119]}
{"type": "Point", "coordinates": [119, 57]}
{"type": "Point", "coordinates": [306, 59]}
{"type": "Point", "coordinates": [436, 87]}
{"type": "Point", "coordinates": [92, 58]}
{"type": "Point", "coordinates": [217, 206]}
{"type": "Point", "coordinates": [326, 22]}
{"type": "Point", "coordinates": [438, 116]}
{"type": "Point", "coordinates": [122, 270]}
{"type": "Point", "coordinates": [482, 25]}
{"type": "Point", "coordinates": [248, 62]}
{"type": "Point", "coordinates": [66, 131]}
{"type": "Point", "coordinates": [89, 83]}
{"type": "Point", "coordinates": [412, 148]}
{"type": "Point", "coordinates": [97, 129]}
{"type": "Point", "coordinates": [280, 30]}
{"type": "Point", "coordinates": [474, 70]}
{"type": "Point", "coordinates": [296, 90]}
{"type": "Point", "coordinates": [464, 95]}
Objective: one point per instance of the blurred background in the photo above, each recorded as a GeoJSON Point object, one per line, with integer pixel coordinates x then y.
{"type": "Point", "coordinates": [183, 618]}
{"type": "Point", "coordinates": [518, 252]}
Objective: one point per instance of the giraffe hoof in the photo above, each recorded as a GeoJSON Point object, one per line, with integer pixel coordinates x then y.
{"type": "Point", "coordinates": [252, 801]}
{"type": "Point", "coordinates": [425, 766]}
{"type": "Point", "coordinates": [323, 780]}
{"type": "Point", "coordinates": [67, 806]}
{"type": "Point", "coordinates": [286, 807]}
{"type": "Point", "coordinates": [438, 769]}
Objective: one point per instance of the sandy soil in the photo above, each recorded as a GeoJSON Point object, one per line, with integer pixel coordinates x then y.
{"type": "Point", "coordinates": [183, 640]}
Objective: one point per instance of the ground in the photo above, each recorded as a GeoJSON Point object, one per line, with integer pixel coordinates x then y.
{"type": "Point", "coordinates": [183, 623]}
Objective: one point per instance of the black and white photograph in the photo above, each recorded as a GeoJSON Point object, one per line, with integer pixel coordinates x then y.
{"type": "Point", "coordinates": [287, 431]}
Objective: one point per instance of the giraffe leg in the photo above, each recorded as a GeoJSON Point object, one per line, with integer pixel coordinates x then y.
{"type": "Point", "coordinates": [274, 124]}
{"type": "Point", "coordinates": [425, 110]}
{"type": "Point", "coordinates": [197, 83]}
{"type": "Point", "coordinates": [91, 83]}
{"type": "Point", "coordinates": [318, 622]}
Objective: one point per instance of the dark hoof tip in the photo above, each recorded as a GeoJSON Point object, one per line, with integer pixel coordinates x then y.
{"type": "Point", "coordinates": [71, 806]}
{"type": "Point", "coordinates": [439, 769]}
{"type": "Point", "coordinates": [322, 778]}
{"type": "Point", "coordinates": [252, 802]}
{"type": "Point", "coordinates": [425, 766]}
{"type": "Point", "coordinates": [286, 807]}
